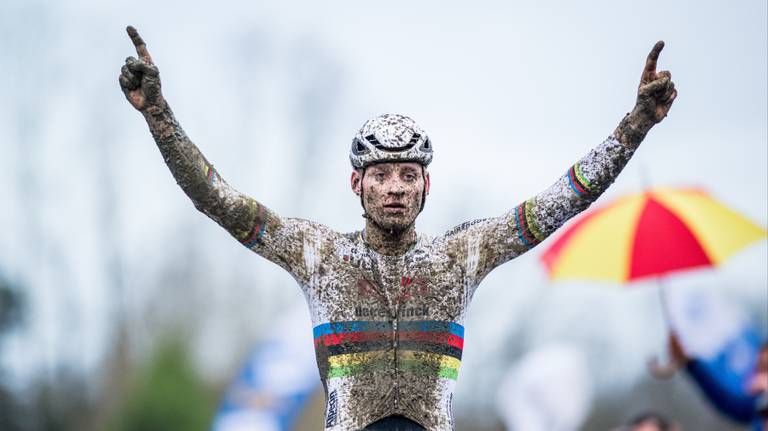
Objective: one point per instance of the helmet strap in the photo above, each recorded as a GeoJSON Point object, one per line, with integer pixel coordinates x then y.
{"type": "Point", "coordinates": [362, 203]}
{"type": "Point", "coordinates": [423, 190]}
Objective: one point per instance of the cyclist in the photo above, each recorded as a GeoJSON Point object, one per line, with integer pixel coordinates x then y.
{"type": "Point", "coordinates": [388, 304]}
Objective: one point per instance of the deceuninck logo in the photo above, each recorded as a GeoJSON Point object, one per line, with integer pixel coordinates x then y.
{"type": "Point", "coordinates": [331, 416]}
{"type": "Point", "coordinates": [381, 312]}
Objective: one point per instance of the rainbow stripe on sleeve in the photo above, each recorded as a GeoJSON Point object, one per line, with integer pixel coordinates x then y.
{"type": "Point", "coordinates": [528, 229]}
{"type": "Point", "coordinates": [257, 233]}
{"type": "Point", "coordinates": [359, 347]}
{"type": "Point", "coordinates": [578, 182]}
{"type": "Point", "coordinates": [210, 174]}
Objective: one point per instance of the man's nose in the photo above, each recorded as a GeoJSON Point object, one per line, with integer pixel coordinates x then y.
{"type": "Point", "coordinates": [395, 187]}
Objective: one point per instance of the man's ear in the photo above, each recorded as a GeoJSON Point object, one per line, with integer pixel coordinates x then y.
{"type": "Point", "coordinates": [356, 181]}
{"type": "Point", "coordinates": [426, 182]}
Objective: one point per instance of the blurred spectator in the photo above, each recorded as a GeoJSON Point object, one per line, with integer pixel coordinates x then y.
{"type": "Point", "coordinates": [275, 383]}
{"type": "Point", "coordinates": [650, 421]}
{"type": "Point", "coordinates": [742, 397]}
{"type": "Point", "coordinates": [721, 351]}
{"type": "Point", "coordinates": [549, 389]}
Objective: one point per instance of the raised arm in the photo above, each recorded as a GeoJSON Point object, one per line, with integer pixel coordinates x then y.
{"type": "Point", "coordinates": [251, 223]}
{"type": "Point", "coordinates": [497, 240]}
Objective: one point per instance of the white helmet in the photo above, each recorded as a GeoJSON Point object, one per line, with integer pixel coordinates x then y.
{"type": "Point", "coordinates": [390, 138]}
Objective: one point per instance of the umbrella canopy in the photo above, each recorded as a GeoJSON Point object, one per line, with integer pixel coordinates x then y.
{"type": "Point", "coordinates": [649, 234]}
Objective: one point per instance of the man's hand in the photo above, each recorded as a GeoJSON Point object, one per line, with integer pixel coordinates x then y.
{"type": "Point", "coordinates": [139, 78]}
{"type": "Point", "coordinates": [654, 98]}
{"type": "Point", "coordinates": [677, 360]}
{"type": "Point", "coordinates": [656, 91]}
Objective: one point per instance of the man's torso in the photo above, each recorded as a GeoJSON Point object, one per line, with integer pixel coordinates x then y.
{"type": "Point", "coordinates": [388, 330]}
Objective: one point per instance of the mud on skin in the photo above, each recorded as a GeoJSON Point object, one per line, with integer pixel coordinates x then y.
{"type": "Point", "coordinates": [395, 361]}
{"type": "Point", "coordinates": [393, 371]}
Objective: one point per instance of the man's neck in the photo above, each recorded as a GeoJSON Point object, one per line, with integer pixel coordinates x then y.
{"type": "Point", "coordinates": [388, 242]}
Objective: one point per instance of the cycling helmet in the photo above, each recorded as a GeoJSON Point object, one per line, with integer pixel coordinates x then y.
{"type": "Point", "coordinates": [390, 138]}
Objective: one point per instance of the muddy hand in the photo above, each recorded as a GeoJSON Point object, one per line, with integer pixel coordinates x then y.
{"type": "Point", "coordinates": [140, 78]}
{"type": "Point", "coordinates": [656, 91]}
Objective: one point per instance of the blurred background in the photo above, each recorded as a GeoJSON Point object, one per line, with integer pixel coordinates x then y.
{"type": "Point", "coordinates": [123, 308]}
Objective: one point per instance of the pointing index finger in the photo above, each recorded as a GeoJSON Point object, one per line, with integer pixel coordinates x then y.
{"type": "Point", "coordinates": [650, 63]}
{"type": "Point", "coordinates": [138, 42]}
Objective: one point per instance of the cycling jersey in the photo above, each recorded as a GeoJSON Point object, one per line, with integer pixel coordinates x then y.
{"type": "Point", "coordinates": [388, 330]}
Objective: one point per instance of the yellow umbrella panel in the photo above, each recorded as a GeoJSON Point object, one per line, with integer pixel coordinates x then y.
{"type": "Point", "coordinates": [649, 234]}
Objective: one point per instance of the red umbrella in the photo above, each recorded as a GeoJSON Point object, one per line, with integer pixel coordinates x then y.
{"type": "Point", "coordinates": [647, 234]}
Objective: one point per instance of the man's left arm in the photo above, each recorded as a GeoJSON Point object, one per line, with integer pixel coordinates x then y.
{"type": "Point", "coordinates": [500, 239]}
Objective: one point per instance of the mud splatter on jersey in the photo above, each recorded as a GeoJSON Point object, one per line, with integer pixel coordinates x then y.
{"type": "Point", "coordinates": [388, 330]}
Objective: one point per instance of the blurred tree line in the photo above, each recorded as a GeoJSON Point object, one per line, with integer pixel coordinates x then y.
{"type": "Point", "coordinates": [144, 378]}
{"type": "Point", "coordinates": [10, 316]}
{"type": "Point", "coordinates": [165, 393]}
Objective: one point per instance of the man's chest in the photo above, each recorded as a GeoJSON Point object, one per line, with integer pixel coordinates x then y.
{"type": "Point", "coordinates": [356, 284]}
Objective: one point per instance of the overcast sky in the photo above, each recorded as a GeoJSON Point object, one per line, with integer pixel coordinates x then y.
{"type": "Point", "coordinates": [510, 93]}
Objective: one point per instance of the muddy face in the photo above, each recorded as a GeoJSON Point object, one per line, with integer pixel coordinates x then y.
{"type": "Point", "coordinates": [392, 193]}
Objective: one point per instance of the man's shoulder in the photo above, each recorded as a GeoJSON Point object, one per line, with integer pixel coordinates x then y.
{"type": "Point", "coordinates": [312, 228]}
{"type": "Point", "coordinates": [351, 236]}
{"type": "Point", "coordinates": [468, 225]}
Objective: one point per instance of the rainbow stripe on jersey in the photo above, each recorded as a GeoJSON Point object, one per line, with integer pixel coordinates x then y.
{"type": "Point", "coordinates": [423, 346]}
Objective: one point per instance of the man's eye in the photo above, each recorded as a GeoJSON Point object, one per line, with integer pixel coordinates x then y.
{"type": "Point", "coordinates": [410, 177]}
{"type": "Point", "coordinates": [379, 176]}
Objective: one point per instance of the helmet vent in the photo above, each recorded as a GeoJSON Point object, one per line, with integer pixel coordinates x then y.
{"type": "Point", "coordinates": [372, 139]}
{"type": "Point", "coordinates": [414, 139]}
{"type": "Point", "coordinates": [427, 145]}
{"type": "Point", "coordinates": [358, 148]}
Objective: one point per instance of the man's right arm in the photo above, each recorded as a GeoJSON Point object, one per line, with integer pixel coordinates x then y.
{"type": "Point", "coordinates": [241, 215]}
{"type": "Point", "coordinates": [254, 225]}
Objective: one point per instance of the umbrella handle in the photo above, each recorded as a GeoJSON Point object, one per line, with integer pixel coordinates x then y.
{"type": "Point", "coordinates": [655, 366]}
{"type": "Point", "coordinates": [663, 299]}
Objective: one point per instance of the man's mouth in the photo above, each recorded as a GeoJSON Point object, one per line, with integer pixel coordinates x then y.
{"type": "Point", "coordinates": [394, 207]}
